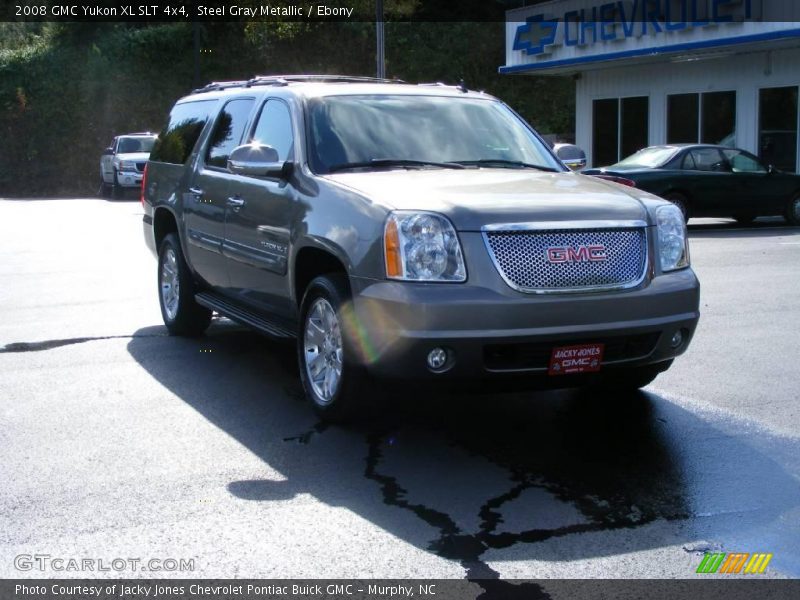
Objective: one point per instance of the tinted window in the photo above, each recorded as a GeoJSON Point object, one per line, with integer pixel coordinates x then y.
{"type": "Point", "coordinates": [719, 118]}
{"type": "Point", "coordinates": [605, 133]}
{"type": "Point", "coordinates": [177, 140]}
{"type": "Point", "coordinates": [228, 132]}
{"type": "Point", "coordinates": [682, 118]}
{"type": "Point", "coordinates": [135, 144]}
{"type": "Point", "coordinates": [742, 162]}
{"type": "Point", "coordinates": [777, 129]}
{"type": "Point", "coordinates": [633, 125]}
{"type": "Point", "coordinates": [707, 159]}
{"type": "Point", "coordinates": [274, 128]}
{"type": "Point", "coordinates": [688, 162]}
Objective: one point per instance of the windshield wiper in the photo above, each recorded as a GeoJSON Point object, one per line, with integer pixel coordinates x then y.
{"type": "Point", "coordinates": [395, 162]}
{"type": "Point", "coordinates": [507, 163]}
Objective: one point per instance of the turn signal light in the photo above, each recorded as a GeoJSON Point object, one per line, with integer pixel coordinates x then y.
{"type": "Point", "coordinates": [391, 250]}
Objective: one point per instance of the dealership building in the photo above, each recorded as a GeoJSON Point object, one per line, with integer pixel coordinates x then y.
{"type": "Point", "coordinates": [669, 71]}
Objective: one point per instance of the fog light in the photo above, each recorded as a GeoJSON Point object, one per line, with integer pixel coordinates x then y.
{"type": "Point", "coordinates": [437, 358]}
{"type": "Point", "coordinates": [677, 339]}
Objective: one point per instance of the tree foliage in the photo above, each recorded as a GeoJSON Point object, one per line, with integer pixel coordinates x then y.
{"type": "Point", "coordinates": [66, 89]}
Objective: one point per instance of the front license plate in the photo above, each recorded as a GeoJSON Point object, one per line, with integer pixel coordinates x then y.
{"type": "Point", "coordinates": [583, 358]}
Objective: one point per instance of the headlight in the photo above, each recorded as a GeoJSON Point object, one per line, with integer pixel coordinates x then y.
{"type": "Point", "coordinates": [673, 243]}
{"type": "Point", "coordinates": [126, 165]}
{"type": "Point", "coordinates": [422, 246]}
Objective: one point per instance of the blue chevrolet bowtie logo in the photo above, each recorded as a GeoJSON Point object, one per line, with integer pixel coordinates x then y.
{"type": "Point", "coordinates": [535, 34]}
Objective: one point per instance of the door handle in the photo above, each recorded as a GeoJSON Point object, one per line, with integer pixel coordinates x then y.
{"type": "Point", "coordinates": [197, 193]}
{"type": "Point", "coordinates": [235, 201]}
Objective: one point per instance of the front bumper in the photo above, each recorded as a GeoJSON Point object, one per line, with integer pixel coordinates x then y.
{"type": "Point", "coordinates": [493, 333]}
{"type": "Point", "coordinates": [129, 178]}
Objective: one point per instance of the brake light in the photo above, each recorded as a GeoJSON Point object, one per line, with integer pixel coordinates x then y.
{"type": "Point", "coordinates": [144, 183]}
{"type": "Point", "coordinates": [617, 179]}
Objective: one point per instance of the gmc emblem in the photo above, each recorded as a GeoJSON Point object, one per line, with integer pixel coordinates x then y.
{"type": "Point", "coordinates": [567, 254]}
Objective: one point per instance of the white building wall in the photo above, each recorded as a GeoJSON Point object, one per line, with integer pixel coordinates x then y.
{"type": "Point", "coordinates": [744, 73]}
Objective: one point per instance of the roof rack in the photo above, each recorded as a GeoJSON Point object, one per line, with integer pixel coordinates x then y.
{"type": "Point", "coordinates": [283, 80]}
{"type": "Point", "coordinates": [216, 86]}
{"type": "Point", "coordinates": [460, 86]}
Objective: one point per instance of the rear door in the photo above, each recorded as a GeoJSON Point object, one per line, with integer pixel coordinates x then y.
{"type": "Point", "coordinates": [258, 219]}
{"type": "Point", "coordinates": [709, 180]}
{"type": "Point", "coordinates": [107, 163]}
{"type": "Point", "coordinates": [205, 201]}
{"type": "Point", "coordinates": [756, 191]}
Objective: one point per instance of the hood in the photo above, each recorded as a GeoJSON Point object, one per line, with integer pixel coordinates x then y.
{"type": "Point", "coordinates": [472, 198]}
{"type": "Point", "coordinates": [135, 156]}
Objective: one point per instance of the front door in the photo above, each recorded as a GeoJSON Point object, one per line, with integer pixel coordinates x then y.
{"type": "Point", "coordinates": [258, 220]}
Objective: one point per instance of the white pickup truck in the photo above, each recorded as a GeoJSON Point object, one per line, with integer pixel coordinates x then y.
{"type": "Point", "coordinates": [122, 163]}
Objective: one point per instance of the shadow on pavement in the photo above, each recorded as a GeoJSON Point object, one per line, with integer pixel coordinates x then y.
{"type": "Point", "coordinates": [480, 473]}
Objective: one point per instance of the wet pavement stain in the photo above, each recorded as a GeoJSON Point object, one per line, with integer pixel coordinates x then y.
{"type": "Point", "coordinates": [305, 437]}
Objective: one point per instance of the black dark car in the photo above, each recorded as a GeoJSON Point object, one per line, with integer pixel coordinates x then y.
{"type": "Point", "coordinates": [711, 181]}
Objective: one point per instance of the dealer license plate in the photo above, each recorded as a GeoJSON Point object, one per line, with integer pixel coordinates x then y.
{"type": "Point", "coordinates": [582, 358]}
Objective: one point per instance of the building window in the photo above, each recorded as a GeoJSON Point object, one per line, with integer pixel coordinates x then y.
{"type": "Point", "coordinates": [708, 118]}
{"type": "Point", "coordinates": [777, 127]}
{"type": "Point", "coordinates": [619, 128]}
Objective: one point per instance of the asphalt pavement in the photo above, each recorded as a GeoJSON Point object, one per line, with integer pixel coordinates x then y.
{"type": "Point", "coordinates": [118, 441]}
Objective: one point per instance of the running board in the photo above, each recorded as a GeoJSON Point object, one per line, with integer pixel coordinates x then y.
{"type": "Point", "coordinates": [243, 316]}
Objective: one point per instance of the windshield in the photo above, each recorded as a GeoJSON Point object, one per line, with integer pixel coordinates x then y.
{"type": "Point", "coordinates": [648, 157]}
{"type": "Point", "coordinates": [383, 131]}
{"type": "Point", "coordinates": [129, 145]}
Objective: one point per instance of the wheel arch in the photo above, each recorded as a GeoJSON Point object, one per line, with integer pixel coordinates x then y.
{"type": "Point", "coordinates": [310, 262]}
{"type": "Point", "coordinates": [164, 223]}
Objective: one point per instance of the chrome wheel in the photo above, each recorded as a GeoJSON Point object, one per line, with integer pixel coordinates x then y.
{"type": "Point", "coordinates": [170, 284]}
{"type": "Point", "coordinates": [323, 351]}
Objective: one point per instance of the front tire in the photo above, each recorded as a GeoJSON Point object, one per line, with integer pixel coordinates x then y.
{"type": "Point", "coordinates": [116, 188]}
{"type": "Point", "coordinates": [181, 314]}
{"type": "Point", "coordinates": [793, 210]}
{"type": "Point", "coordinates": [333, 382]}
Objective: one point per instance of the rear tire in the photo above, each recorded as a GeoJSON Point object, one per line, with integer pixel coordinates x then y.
{"type": "Point", "coordinates": [631, 379]}
{"type": "Point", "coordinates": [181, 314]}
{"type": "Point", "coordinates": [793, 210]}
{"type": "Point", "coordinates": [333, 381]}
{"type": "Point", "coordinates": [681, 202]}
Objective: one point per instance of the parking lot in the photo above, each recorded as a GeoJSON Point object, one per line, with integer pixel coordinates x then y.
{"type": "Point", "coordinates": [120, 441]}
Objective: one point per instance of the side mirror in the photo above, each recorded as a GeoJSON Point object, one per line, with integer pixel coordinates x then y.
{"type": "Point", "coordinates": [575, 164]}
{"type": "Point", "coordinates": [571, 155]}
{"type": "Point", "coordinates": [258, 160]}
{"type": "Point", "coordinates": [108, 151]}
{"type": "Point", "coordinates": [771, 169]}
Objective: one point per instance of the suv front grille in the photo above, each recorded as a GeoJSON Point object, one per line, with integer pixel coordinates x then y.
{"type": "Point", "coordinates": [563, 260]}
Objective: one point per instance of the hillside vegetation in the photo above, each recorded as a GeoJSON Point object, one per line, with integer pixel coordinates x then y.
{"type": "Point", "coordinates": [67, 89]}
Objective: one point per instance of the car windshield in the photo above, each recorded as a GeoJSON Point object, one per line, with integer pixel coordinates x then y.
{"type": "Point", "coordinates": [648, 157]}
{"type": "Point", "coordinates": [390, 131]}
{"type": "Point", "coordinates": [128, 145]}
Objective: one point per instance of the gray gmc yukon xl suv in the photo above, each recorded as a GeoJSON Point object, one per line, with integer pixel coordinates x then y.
{"type": "Point", "coordinates": [422, 233]}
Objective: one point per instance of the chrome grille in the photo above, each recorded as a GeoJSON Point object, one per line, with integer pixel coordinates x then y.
{"type": "Point", "coordinates": [521, 257]}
